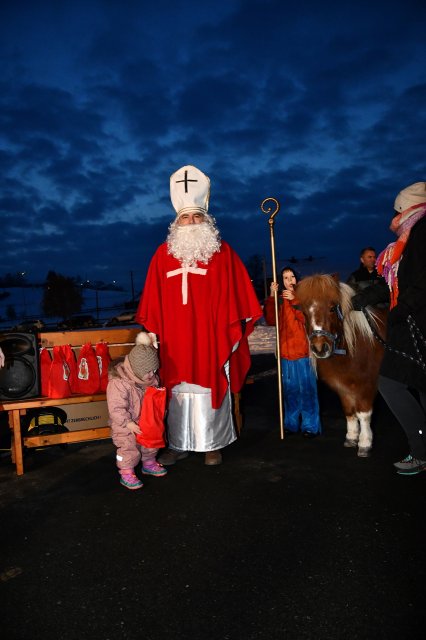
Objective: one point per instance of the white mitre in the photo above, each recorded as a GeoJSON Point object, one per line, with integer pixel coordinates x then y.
{"type": "Point", "coordinates": [189, 190]}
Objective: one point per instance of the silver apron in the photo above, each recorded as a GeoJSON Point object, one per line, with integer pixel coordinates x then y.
{"type": "Point", "coordinates": [193, 425]}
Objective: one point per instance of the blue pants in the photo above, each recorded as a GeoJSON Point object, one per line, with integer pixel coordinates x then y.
{"type": "Point", "coordinates": [301, 407]}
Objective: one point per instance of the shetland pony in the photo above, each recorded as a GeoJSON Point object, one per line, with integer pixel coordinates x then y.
{"type": "Point", "coordinates": [344, 351]}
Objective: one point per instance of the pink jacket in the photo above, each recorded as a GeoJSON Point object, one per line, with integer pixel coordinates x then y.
{"type": "Point", "coordinates": [125, 394]}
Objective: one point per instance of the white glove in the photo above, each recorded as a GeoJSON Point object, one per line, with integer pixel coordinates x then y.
{"type": "Point", "coordinates": [133, 427]}
{"type": "Point", "coordinates": [1, 358]}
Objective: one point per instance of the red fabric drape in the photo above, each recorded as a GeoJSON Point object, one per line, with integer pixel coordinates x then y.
{"type": "Point", "coordinates": [151, 421]}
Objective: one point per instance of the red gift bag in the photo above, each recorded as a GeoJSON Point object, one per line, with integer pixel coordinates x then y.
{"type": "Point", "coordinates": [102, 354]}
{"type": "Point", "coordinates": [151, 421]}
{"type": "Point", "coordinates": [45, 364]}
{"type": "Point", "coordinates": [69, 357]}
{"type": "Point", "coordinates": [58, 385]}
{"type": "Point", "coordinates": [88, 378]}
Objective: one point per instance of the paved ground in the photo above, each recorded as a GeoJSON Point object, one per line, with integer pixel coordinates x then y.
{"type": "Point", "coordinates": [288, 540]}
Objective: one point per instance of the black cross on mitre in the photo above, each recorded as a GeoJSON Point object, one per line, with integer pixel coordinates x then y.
{"type": "Point", "coordinates": [186, 180]}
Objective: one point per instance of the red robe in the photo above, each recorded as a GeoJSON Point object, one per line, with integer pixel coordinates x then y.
{"type": "Point", "coordinates": [196, 338]}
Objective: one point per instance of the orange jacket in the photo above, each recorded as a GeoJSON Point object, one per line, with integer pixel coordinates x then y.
{"type": "Point", "coordinates": [292, 332]}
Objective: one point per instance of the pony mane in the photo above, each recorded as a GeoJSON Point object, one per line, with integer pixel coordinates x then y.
{"type": "Point", "coordinates": [321, 287]}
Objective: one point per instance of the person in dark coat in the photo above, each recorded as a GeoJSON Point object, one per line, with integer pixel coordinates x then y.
{"type": "Point", "coordinates": [366, 274]}
{"type": "Point", "coordinates": [402, 380]}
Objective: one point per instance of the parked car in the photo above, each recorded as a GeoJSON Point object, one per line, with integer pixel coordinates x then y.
{"type": "Point", "coordinates": [77, 322]}
{"type": "Point", "coordinates": [125, 317]}
{"type": "Point", "coordinates": [30, 324]}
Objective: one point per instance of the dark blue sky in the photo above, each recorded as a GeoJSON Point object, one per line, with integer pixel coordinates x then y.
{"type": "Point", "coordinates": [319, 104]}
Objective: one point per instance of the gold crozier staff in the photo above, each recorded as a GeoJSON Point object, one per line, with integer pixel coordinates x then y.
{"type": "Point", "coordinates": [271, 222]}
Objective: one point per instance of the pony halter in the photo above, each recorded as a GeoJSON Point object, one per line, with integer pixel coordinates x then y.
{"type": "Point", "coordinates": [334, 337]}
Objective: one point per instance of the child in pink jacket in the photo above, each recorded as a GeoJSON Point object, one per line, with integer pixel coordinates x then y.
{"type": "Point", "coordinates": [128, 379]}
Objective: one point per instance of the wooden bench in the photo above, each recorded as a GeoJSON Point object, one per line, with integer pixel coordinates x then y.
{"type": "Point", "coordinates": [120, 341]}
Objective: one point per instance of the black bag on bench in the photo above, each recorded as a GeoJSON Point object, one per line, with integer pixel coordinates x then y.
{"type": "Point", "coordinates": [43, 421]}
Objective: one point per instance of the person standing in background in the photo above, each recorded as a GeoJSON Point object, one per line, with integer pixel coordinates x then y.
{"type": "Point", "coordinates": [366, 274]}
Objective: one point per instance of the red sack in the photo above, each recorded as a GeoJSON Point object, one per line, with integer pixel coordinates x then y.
{"type": "Point", "coordinates": [69, 357]}
{"type": "Point", "coordinates": [88, 378]}
{"type": "Point", "coordinates": [102, 354]}
{"type": "Point", "coordinates": [45, 364]}
{"type": "Point", "coordinates": [58, 385]}
{"type": "Point", "coordinates": [151, 420]}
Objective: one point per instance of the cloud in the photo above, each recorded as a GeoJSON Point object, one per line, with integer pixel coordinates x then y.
{"type": "Point", "coordinates": [318, 105]}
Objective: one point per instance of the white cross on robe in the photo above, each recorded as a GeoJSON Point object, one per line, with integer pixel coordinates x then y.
{"type": "Point", "coordinates": [184, 271]}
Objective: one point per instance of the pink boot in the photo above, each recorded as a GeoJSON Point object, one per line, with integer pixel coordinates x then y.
{"type": "Point", "coordinates": [153, 468]}
{"type": "Point", "coordinates": [129, 480]}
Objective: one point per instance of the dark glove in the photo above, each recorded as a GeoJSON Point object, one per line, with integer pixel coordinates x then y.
{"type": "Point", "coordinates": [372, 295]}
{"type": "Point", "coordinates": [399, 314]}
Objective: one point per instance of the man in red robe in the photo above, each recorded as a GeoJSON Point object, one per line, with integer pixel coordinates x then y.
{"type": "Point", "coordinates": [199, 300]}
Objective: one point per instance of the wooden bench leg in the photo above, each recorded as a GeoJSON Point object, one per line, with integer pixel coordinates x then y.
{"type": "Point", "coordinates": [17, 452]}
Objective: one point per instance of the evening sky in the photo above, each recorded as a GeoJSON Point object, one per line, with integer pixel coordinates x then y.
{"type": "Point", "coordinates": [318, 104]}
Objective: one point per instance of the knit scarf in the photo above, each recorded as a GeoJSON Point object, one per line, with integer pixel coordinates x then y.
{"type": "Point", "coordinates": [388, 261]}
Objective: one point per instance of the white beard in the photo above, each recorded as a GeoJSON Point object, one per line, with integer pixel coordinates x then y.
{"type": "Point", "coordinates": [193, 243]}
